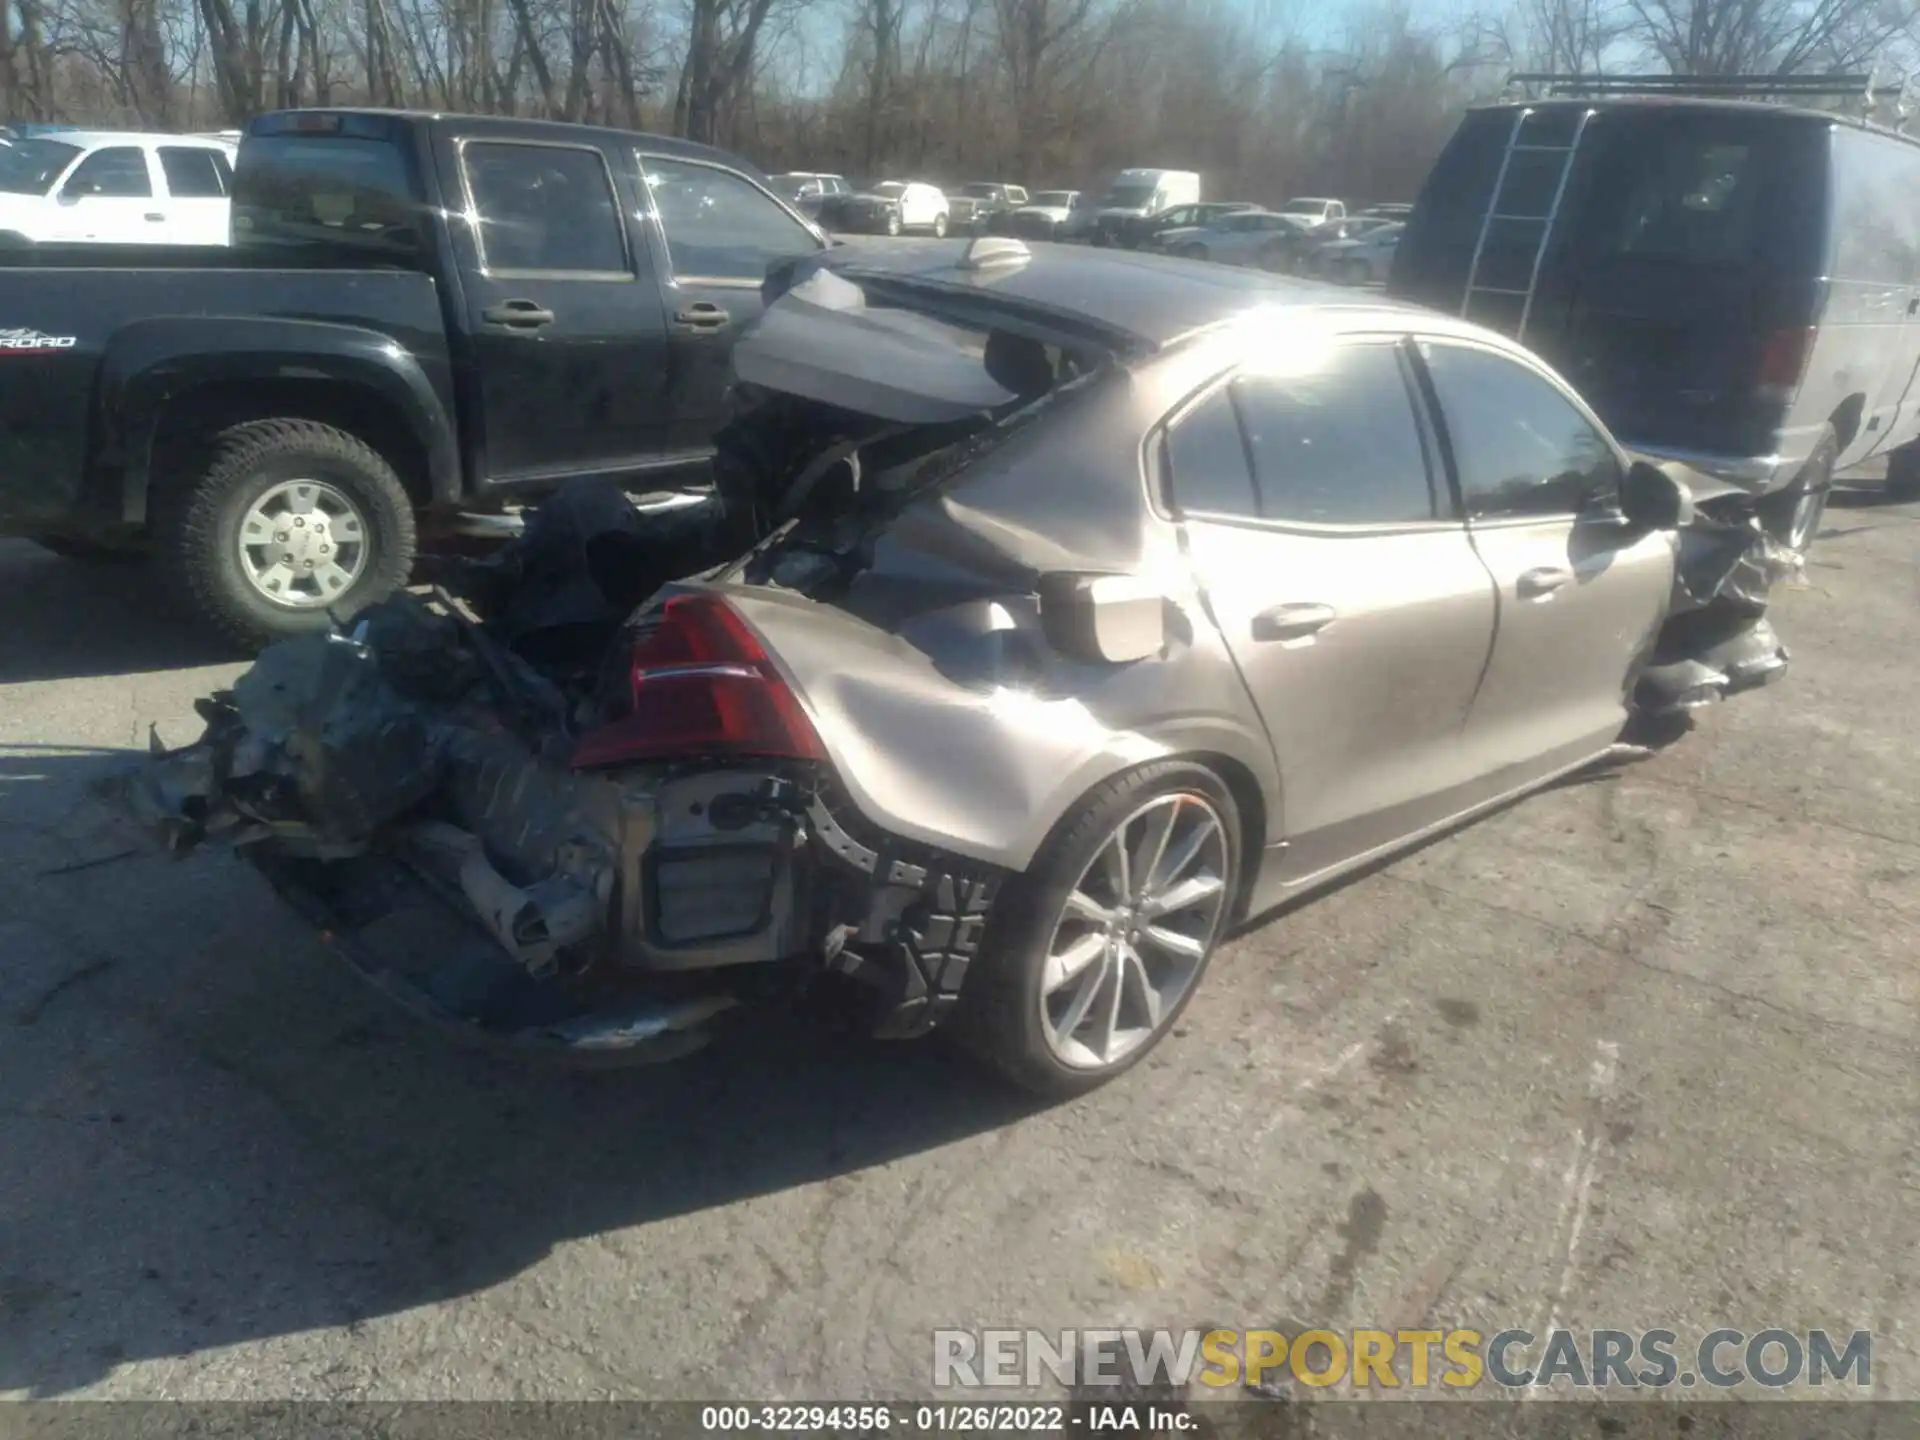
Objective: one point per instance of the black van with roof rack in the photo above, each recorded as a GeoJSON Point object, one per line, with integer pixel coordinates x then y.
{"type": "Point", "coordinates": [1731, 281]}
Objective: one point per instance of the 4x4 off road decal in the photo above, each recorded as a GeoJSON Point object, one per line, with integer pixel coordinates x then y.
{"type": "Point", "coordinates": [25, 342]}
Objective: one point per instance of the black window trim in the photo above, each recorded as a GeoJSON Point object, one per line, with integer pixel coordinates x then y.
{"type": "Point", "coordinates": [658, 231]}
{"type": "Point", "coordinates": [1446, 516]}
{"type": "Point", "coordinates": [479, 238]}
{"type": "Point", "coordinates": [220, 178]}
{"type": "Point", "coordinates": [1430, 398]}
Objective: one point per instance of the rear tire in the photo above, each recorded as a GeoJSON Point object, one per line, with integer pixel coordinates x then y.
{"type": "Point", "coordinates": [940, 227]}
{"type": "Point", "coordinates": [1006, 1015]}
{"type": "Point", "coordinates": [1903, 474]}
{"type": "Point", "coordinates": [200, 528]}
{"type": "Point", "coordinates": [893, 224]}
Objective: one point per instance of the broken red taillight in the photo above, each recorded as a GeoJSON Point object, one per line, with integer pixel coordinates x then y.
{"type": "Point", "coordinates": [700, 683]}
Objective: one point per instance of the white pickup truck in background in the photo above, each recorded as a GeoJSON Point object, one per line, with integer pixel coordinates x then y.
{"type": "Point", "coordinates": [115, 187]}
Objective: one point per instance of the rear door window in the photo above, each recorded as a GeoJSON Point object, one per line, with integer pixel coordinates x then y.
{"type": "Point", "coordinates": [193, 174]}
{"type": "Point", "coordinates": [1338, 445]}
{"type": "Point", "coordinates": [1696, 200]}
{"type": "Point", "coordinates": [545, 209]}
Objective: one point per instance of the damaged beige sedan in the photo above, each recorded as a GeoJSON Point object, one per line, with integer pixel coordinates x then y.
{"type": "Point", "coordinates": [1053, 613]}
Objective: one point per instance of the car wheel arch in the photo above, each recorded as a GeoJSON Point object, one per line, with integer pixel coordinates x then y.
{"type": "Point", "coordinates": [358, 409]}
{"type": "Point", "coordinates": [159, 388]}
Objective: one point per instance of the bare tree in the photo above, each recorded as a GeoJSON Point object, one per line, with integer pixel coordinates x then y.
{"type": "Point", "coordinates": [1781, 37]}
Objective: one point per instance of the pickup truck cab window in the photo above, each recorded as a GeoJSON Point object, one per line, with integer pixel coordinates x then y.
{"type": "Point", "coordinates": [544, 210]}
{"type": "Point", "coordinates": [719, 225]}
{"type": "Point", "coordinates": [117, 172]}
{"type": "Point", "coordinates": [337, 191]}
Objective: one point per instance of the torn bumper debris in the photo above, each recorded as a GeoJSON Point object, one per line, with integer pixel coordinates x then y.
{"type": "Point", "coordinates": [1717, 640]}
{"type": "Point", "coordinates": [415, 790]}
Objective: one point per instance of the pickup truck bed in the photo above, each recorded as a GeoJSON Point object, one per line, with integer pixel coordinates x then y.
{"type": "Point", "coordinates": [419, 315]}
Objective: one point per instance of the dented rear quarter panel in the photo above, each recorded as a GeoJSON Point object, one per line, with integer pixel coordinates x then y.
{"type": "Point", "coordinates": [947, 715]}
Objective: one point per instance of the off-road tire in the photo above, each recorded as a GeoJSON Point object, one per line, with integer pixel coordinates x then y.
{"type": "Point", "coordinates": [196, 522]}
{"type": "Point", "coordinates": [998, 1016]}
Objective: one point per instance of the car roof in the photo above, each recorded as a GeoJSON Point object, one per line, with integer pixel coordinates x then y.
{"type": "Point", "coordinates": [1154, 298]}
{"type": "Point", "coordinates": [96, 139]}
{"type": "Point", "coordinates": [509, 126]}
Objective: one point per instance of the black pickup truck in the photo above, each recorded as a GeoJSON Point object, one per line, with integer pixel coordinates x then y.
{"type": "Point", "coordinates": [419, 315]}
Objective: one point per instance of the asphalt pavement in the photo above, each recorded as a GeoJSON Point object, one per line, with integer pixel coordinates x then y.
{"type": "Point", "coordinates": [1637, 1052]}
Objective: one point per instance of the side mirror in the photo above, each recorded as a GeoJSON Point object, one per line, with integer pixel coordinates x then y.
{"type": "Point", "coordinates": [1109, 619]}
{"type": "Point", "coordinates": [1651, 499]}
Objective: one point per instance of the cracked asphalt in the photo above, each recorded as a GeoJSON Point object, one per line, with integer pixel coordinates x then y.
{"type": "Point", "coordinates": [1637, 1052]}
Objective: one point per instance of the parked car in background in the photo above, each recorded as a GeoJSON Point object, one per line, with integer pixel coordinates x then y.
{"type": "Point", "coordinates": [1244, 237]}
{"type": "Point", "coordinates": [1136, 194]}
{"type": "Point", "coordinates": [266, 420]}
{"type": "Point", "coordinates": [973, 207]}
{"type": "Point", "coordinates": [1727, 283]}
{"type": "Point", "coordinates": [1391, 211]}
{"type": "Point", "coordinates": [893, 207]}
{"type": "Point", "coordinates": [1315, 210]}
{"type": "Point", "coordinates": [811, 193]}
{"type": "Point", "coordinates": [996, 696]}
{"type": "Point", "coordinates": [1363, 259]}
{"type": "Point", "coordinates": [1133, 234]}
{"type": "Point", "coordinates": [1048, 215]}
{"type": "Point", "coordinates": [115, 188]}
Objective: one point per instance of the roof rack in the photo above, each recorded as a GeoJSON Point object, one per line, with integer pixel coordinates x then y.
{"type": "Point", "coordinates": [1881, 102]}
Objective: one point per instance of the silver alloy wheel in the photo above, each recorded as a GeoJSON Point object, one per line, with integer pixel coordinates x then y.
{"type": "Point", "coordinates": [302, 544]}
{"type": "Point", "coordinates": [1134, 931]}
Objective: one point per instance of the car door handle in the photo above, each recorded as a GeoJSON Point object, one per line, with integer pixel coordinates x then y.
{"type": "Point", "coordinates": [1540, 584]}
{"type": "Point", "coordinates": [702, 316]}
{"type": "Point", "coordinates": [519, 314]}
{"type": "Point", "coordinates": [153, 215]}
{"type": "Point", "coordinates": [1292, 623]}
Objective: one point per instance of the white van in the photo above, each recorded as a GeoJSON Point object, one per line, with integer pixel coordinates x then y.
{"type": "Point", "coordinates": [1136, 194]}
{"type": "Point", "coordinates": [116, 187]}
